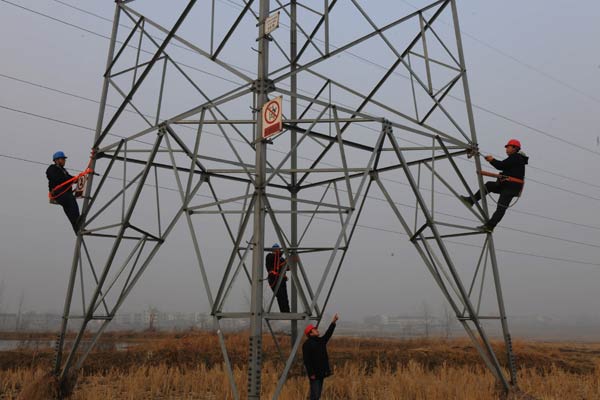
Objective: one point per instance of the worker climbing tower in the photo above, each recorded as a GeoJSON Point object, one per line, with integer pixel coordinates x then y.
{"type": "Point", "coordinates": [280, 120]}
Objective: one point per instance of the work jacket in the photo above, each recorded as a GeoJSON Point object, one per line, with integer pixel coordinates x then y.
{"type": "Point", "coordinates": [314, 352]}
{"type": "Point", "coordinates": [275, 265]}
{"type": "Point", "coordinates": [513, 165]}
{"type": "Point", "coordinates": [57, 175]}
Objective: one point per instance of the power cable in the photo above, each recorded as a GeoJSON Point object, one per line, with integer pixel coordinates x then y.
{"type": "Point", "coordinates": [571, 261]}
{"type": "Point", "coordinates": [481, 108]}
{"type": "Point", "coordinates": [406, 77]}
{"type": "Point", "coordinates": [587, 196]}
{"type": "Point", "coordinates": [238, 140]}
{"type": "Point", "coordinates": [54, 120]}
{"type": "Point", "coordinates": [475, 106]}
{"type": "Point", "coordinates": [529, 179]}
{"type": "Point", "coordinates": [518, 61]}
{"type": "Point", "coordinates": [371, 197]}
{"type": "Point", "coordinates": [97, 102]}
{"type": "Point", "coordinates": [59, 121]}
{"type": "Point", "coordinates": [554, 174]}
{"type": "Point", "coordinates": [89, 13]}
{"type": "Point", "coordinates": [108, 38]}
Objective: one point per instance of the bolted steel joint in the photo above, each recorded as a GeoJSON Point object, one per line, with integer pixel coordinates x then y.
{"type": "Point", "coordinates": [162, 129]}
{"type": "Point", "coordinates": [263, 86]}
{"type": "Point", "coordinates": [294, 189]}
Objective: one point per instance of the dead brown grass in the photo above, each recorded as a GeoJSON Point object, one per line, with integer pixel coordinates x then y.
{"type": "Point", "coordinates": [43, 387]}
{"type": "Point", "coordinates": [188, 366]}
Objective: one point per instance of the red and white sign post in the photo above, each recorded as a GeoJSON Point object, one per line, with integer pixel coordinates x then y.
{"type": "Point", "coordinates": [271, 114]}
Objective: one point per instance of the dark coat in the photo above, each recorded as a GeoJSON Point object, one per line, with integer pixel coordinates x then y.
{"type": "Point", "coordinates": [57, 175]}
{"type": "Point", "coordinates": [314, 352]}
{"type": "Point", "coordinates": [513, 165]}
{"type": "Point", "coordinates": [271, 268]}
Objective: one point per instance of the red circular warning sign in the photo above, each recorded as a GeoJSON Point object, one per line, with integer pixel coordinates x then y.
{"type": "Point", "coordinates": [272, 116]}
{"type": "Point", "coordinates": [272, 112]}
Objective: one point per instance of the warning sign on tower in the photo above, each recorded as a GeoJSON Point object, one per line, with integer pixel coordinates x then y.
{"type": "Point", "coordinates": [271, 114]}
{"type": "Point", "coordinates": [271, 23]}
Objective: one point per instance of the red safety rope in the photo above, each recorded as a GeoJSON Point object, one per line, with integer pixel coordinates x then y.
{"type": "Point", "coordinates": [504, 178]}
{"type": "Point", "coordinates": [68, 184]}
{"type": "Point", "coordinates": [278, 264]}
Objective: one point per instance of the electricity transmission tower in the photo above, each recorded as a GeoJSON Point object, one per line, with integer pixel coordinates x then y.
{"type": "Point", "coordinates": [182, 136]}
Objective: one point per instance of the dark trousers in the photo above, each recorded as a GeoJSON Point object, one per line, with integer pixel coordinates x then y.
{"type": "Point", "coordinates": [282, 295]}
{"type": "Point", "coordinates": [506, 195]}
{"type": "Point", "coordinates": [71, 208]}
{"type": "Point", "coordinates": [316, 387]}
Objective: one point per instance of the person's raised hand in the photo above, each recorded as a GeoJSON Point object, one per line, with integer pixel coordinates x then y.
{"type": "Point", "coordinates": [489, 158]}
{"type": "Point", "coordinates": [335, 318]}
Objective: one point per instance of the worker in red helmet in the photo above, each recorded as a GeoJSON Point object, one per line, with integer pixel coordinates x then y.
{"type": "Point", "coordinates": [511, 166]}
{"type": "Point", "coordinates": [316, 360]}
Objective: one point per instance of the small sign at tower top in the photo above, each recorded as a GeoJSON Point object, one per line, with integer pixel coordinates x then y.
{"type": "Point", "coordinates": [271, 23]}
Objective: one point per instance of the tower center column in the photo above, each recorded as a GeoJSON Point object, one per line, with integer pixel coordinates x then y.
{"type": "Point", "coordinates": [262, 87]}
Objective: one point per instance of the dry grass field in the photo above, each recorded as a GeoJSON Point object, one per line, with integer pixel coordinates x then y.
{"type": "Point", "coordinates": [188, 366]}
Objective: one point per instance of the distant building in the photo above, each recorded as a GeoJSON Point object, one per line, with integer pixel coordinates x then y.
{"type": "Point", "coordinates": [403, 325]}
{"type": "Point", "coordinates": [32, 321]}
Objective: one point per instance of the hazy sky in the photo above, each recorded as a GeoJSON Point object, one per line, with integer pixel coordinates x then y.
{"type": "Point", "coordinates": [534, 73]}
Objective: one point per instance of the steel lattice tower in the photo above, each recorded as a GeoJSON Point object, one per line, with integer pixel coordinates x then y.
{"type": "Point", "coordinates": [342, 137]}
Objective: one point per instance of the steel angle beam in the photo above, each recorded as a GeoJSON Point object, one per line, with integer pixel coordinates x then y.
{"type": "Point", "coordinates": [326, 162]}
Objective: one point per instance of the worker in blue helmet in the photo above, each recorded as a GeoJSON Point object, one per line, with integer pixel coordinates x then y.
{"type": "Point", "coordinates": [63, 195]}
{"type": "Point", "coordinates": [276, 266]}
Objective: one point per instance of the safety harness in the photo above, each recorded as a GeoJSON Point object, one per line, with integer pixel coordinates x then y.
{"type": "Point", "coordinates": [505, 178]}
{"type": "Point", "coordinates": [502, 178]}
{"type": "Point", "coordinates": [276, 271]}
{"type": "Point", "coordinates": [80, 180]}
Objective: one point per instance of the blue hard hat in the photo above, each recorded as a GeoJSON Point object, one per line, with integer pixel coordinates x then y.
{"type": "Point", "coordinates": [58, 154]}
{"type": "Point", "coordinates": [276, 246]}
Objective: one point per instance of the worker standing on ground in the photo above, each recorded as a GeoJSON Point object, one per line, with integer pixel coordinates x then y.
{"type": "Point", "coordinates": [276, 265]}
{"type": "Point", "coordinates": [511, 167]}
{"type": "Point", "coordinates": [316, 360]}
{"type": "Point", "coordinates": [57, 174]}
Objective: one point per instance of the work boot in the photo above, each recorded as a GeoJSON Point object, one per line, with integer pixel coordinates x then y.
{"type": "Point", "coordinates": [486, 228]}
{"type": "Point", "coordinates": [466, 200]}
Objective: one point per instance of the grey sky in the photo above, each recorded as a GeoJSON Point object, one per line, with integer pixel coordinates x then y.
{"type": "Point", "coordinates": [536, 63]}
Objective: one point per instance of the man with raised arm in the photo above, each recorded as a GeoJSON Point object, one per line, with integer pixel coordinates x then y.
{"type": "Point", "coordinates": [316, 360]}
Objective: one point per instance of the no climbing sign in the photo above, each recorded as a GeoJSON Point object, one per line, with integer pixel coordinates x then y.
{"type": "Point", "coordinates": [271, 114]}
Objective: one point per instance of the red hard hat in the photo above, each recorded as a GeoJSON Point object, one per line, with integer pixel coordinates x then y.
{"type": "Point", "coordinates": [513, 142]}
{"type": "Point", "coordinates": [308, 328]}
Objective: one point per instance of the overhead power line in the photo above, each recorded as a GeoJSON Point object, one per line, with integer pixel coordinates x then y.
{"type": "Point", "coordinates": [79, 126]}
{"type": "Point", "coordinates": [215, 134]}
{"type": "Point", "coordinates": [108, 38]}
{"type": "Point", "coordinates": [59, 121]}
{"type": "Point", "coordinates": [97, 102]}
{"type": "Point", "coordinates": [482, 108]}
{"type": "Point", "coordinates": [508, 251]}
{"type": "Point", "coordinates": [475, 106]}
{"type": "Point", "coordinates": [371, 197]}
{"type": "Point", "coordinates": [515, 59]}
{"type": "Point", "coordinates": [239, 140]}
{"type": "Point", "coordinates": [81, 97]}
